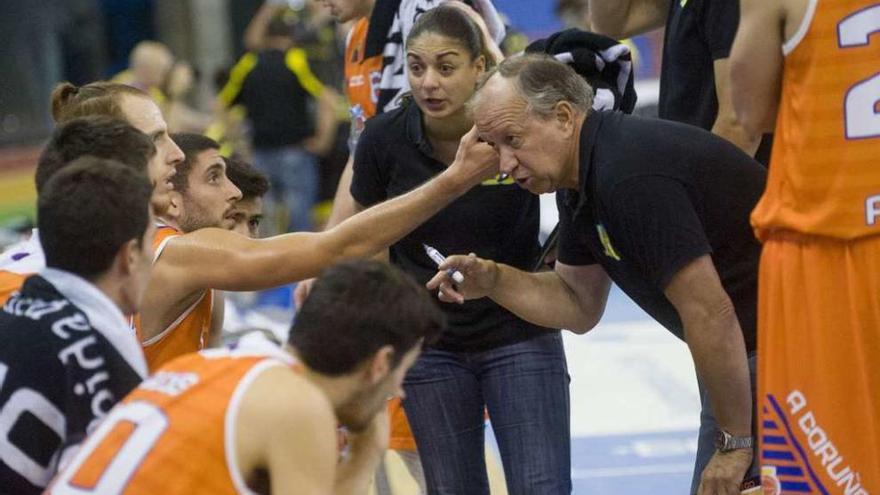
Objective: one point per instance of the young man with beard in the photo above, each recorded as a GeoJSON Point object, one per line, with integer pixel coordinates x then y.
{"type": "Point", "coordinates": [203, 197]}
{"type": "Point", "coordinates": [261, 418]}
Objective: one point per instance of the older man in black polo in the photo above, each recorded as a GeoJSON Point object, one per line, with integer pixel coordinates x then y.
{"type": "Point", "coordinates": [660, 208]}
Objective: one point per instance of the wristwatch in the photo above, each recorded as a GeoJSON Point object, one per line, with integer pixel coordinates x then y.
{"type": "Point", "coordinates": [725, 442]}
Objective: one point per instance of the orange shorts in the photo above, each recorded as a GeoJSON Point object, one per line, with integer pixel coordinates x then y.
{"type": "Point", "coordinates": [401, 436]}
{"type": "Point", "coordinates": [819, 365]}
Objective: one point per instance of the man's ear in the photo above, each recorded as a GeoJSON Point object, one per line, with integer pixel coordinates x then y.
{"type": "Point", "coordinates": [379, 365]}
{"type": "Point", "coordinates": [564, 115]}
{"type": "Point", "coordinates": [127, 258]}
{"type": "Point", "coordinates": [175, 206]}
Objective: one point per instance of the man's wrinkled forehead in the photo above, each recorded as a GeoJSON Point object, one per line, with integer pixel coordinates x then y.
{"type": "Point", "coordinates": [498, 105]}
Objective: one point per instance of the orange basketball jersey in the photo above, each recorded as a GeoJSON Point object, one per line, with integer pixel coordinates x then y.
{"type": "Point", "coordinates": [189, 332]}
{"type": "Point", "coordinates": [175, 433]}
{"type": "Point", "coordinates": [362, 75]}
{"type": "Point", "coordinates": [825, 168]}
{"type": "Point", "coordinates": [19, 262]}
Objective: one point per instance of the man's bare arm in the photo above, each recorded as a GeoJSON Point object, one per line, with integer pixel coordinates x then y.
{"type": "Point", "coordinates": [756, 64]}
{"type": "Point", "coordinates": [624, 18]}
{"type": "Point", "coordinates": [255, 31]}
{"type": "Point", "coordinates": [713, 334]}
{"type": "Point", "coordinates": [572, 297]}
{"type": "Point", "coordinates": [727, 125]}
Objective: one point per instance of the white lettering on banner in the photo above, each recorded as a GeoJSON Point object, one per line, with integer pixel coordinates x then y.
{"type": "Point", "coordinates": [822, 446]}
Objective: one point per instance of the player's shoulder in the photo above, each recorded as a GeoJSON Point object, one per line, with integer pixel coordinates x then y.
{"type": "Point", "coordinates": [279, 396]}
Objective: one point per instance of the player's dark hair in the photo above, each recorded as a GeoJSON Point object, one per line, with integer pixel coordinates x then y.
{"type": "Point", "coordinates": [251, 182]}
{"type": "Point", "coordinates": [357, 307]}
{"type": "Point", "coordinates": [191, 145]}
{"type": "Point", "coordinates": [88, 210]}
{"type": "Point", "coordinates": [452, 23]}
{"type": "Point", "coordinates": [97, 98]}
{"type": "Point", "coordinates": [101, 137]}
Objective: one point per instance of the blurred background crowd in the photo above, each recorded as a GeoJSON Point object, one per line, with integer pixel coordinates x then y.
{"type": "Point", "coordinates": [182, 52]}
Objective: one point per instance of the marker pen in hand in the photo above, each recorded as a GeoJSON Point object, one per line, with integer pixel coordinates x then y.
{"type": "Point", "coordinates": [439, 259]}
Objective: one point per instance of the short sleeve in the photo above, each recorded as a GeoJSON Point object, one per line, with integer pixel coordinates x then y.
{"type": "Point", "coordinates": [718, 23]}
{"type": "Point", "coordinates": [573, 247]}
{"type": "Point", "coordinates": [654, 223]}
{"type": "Point", "coordinates": [369, 181]}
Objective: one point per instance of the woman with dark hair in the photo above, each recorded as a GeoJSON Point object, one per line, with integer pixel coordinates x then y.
{"type": "Point", "coordinates": [488, 358]}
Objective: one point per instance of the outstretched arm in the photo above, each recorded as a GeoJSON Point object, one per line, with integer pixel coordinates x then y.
{"type": "Point", "coordinates": [219, 259]}
{"type": "Point", "coordinates": [572, 297]}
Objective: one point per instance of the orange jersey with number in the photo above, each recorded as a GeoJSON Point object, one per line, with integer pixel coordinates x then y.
{"type": "Point", "coordinates": [175, 433]}
{"type": "Point", "coordinates": [825, 168]}
{"type": "Point", "coordinates": [190, 331]}
{"type": "Point", "coordinates": [362, 75]}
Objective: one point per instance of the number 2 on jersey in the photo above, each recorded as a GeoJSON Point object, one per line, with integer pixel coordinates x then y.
{"type": "Point", "coordinates": [860, 106]}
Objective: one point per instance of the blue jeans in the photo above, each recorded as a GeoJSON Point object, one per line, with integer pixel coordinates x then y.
{"type": "Point", "coordinates": [293, 178]}
{"type": "Point", "coordinates": [709, 428]}
{"type": "Point", "coordinates": [525, 388]}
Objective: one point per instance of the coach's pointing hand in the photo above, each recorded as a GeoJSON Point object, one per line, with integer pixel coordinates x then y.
{"type": "Point", "coordinates": [480, 278]}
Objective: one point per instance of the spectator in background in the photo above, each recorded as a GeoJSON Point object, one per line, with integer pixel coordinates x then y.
{"type": "Point", "coordinates": [695, 74]}
{"type": "Point", "coordinates": [148, 68]}
{"type": "Point", "coordinates": [292, 116]}
{"type": "Point", "coordinates": [181, 117]}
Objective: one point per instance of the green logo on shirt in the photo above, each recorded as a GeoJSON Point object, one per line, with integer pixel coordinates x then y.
{"type": "Point", "coordinates": [606, 243]}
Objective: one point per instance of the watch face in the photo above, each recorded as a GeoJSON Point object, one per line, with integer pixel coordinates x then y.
{"type": "Point", "coordinates": [721, 440]}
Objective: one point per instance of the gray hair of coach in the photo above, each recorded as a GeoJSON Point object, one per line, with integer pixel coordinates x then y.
{"type": "Point", "coordinates": [543, 82]}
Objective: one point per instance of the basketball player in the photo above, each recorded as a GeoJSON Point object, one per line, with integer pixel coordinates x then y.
{"type": "Point", "coordinates": [248, 213]}
{"type": "Point", "coordinates": [203, 197]}
{"type": "Point", "coordinates": [230, 421]}
{"type": "Point", "coordinates": [809, 70]}
{"type": "Point", "coordinates": [67, 355]}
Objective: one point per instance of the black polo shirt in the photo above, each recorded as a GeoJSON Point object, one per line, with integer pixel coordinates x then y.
{"type": "Point", "coordinates": [653, 196]}
{"type": "Point", "coordinates": [495, 221]}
